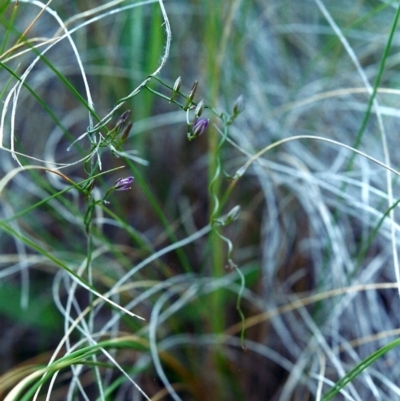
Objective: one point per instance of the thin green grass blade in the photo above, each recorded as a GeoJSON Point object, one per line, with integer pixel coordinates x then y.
{"type": "Point", "coordinates": [349, 377]}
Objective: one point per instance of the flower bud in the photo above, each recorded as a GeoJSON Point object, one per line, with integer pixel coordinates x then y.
{"type": "Point", "coordinates": [198, 127]}
{"type": "Point", "coordinates": [229, 217]}
{"type": "Point", "coordinates": [199, 109]}
{"type": "Point", "coordinates": [122, 120]}
{"type": "Point", "coordinates": [193, 91]}
{"type": "Point", "coordinates": [122, 184]}
{"type": "Point", "coordinates": [175, 88]}
{"type": "Point", "coordinates": [190, 97]}
{"type": "Point", "coordinates": [233, 215]}
{"type": "Point", "coordinates": [177, 84]}
{"type": "Point", "coordinates": [238, 105]}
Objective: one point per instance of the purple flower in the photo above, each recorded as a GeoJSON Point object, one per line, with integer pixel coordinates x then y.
{"type": "Point", "coordinates": [198, 127]}
{"type": "Point", "coordinates": [122, 184]}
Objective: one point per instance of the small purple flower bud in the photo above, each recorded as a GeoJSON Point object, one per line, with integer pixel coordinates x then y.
{"type": "Point", "coordinates": [198, 127]}
{"type": "Point", "coordinates": [193, 91]}
{"type": "Point", "coordinates": [124, 116]}
{"type": "Point", "coordinates": [122, 120]}
{"type": "Point", "coordinates": [122, 184]}
{"type": "Point", "coordinates": [190, 97]}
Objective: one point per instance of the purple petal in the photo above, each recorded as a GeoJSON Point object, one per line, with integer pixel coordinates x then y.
{"type": "Point", "coordinates": [122, 184]}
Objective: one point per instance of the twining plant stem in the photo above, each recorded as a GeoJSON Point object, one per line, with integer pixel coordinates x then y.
{"type": "Point", "coordinates": [213, 77]}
